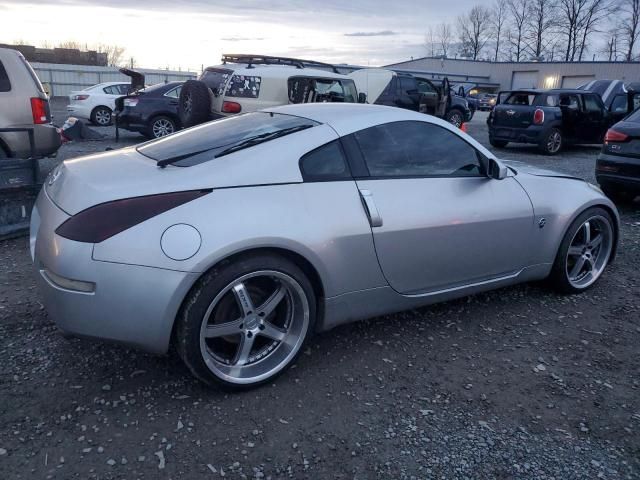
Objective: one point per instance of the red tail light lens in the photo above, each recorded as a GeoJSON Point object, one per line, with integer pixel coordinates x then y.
{"type": "Point", "coordinates": [613, 136]}
{"type": "Point", "coordinates": [231, 107]}
{"type": "Point", "coordinates": [79, 97]}
{"type": "Point", "coordinates": [538, 117]}
{"type": "Point", "coordinates": [105, 220]}
{"type": "Point", "coordinates": [40, 111]}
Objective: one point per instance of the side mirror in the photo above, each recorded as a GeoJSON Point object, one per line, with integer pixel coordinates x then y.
{"type": "Point", "coordinates": [496, 170]}
{"type": "Point", "coordinates": [362, 97]}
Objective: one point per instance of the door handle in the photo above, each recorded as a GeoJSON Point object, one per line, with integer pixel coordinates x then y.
{"type": "Point", "coordinates": [370, 207]}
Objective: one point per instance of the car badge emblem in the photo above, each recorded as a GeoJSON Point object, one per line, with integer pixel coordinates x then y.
{"type": "Point", "coordinates": [542, 222]}
{"type": "Point", "coordinates": [511, 112]}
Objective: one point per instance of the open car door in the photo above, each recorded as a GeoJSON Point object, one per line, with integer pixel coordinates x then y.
{"type": "Point", "coordinates": [371, 81]}
{"type": "Point", "coordinates": [137, 79]}
{"type": "Point", "coordinates": [445, 98]}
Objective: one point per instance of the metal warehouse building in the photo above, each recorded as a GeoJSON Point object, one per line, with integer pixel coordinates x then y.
{"type": "Point", "coordinates": [494, 76]}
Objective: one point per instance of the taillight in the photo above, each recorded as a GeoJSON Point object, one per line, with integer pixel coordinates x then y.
{"type": "Point", "coordinates": [613, 136]}
{"type": "Point", "coordinates": [231, 107]}
{"type": "Point", "coordinates": [105, 220]}
{"type": "Point", "coordinates": [79, 97]}
{"type": "Point", "coordinates": [130, 102]}
{"type": "Point", "coordinates": [538, 117]}
{"type": "Point", "coordinates": [39, 110]}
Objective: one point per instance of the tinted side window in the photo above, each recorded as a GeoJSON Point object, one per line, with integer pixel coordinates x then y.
{"type": "Point", "coordinates": [5, 84]}
{"type": "Point", "coordinates": [592, 104]}
{"type": "Point", "coordinates": [174, 92]}
{"type": "Point", "coordinates": [406, 149]}
{"type": "Point", "coordinates": [408, 85]}
{"type": "Point", "coordinates": [109, 90]}
{"type": "Point", "coordinates": [325, 163]}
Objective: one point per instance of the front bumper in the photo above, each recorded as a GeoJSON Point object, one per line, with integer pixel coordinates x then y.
{"type": "Point", "coordinates": [118, 302]}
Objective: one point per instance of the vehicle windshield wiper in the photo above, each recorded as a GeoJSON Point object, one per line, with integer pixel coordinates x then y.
{"type": "Point", "coordinates": [169, 161]}
{"type": "Point", "coordinates": [250, 142]}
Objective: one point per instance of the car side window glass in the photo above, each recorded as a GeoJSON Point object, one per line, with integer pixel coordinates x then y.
{"type": "Point", "coordinates": [325, 163]}
{"type": "Point", "coordinates": [425, 87]}
{"type": "Point", "coordinates": [591, 104]}
{"type": "Point", "coordinates": [408, 149]}
{"type": "Point", "coordinates": [408, 85]}
{"type": "Point", "coordinates": [108, 90]}
{"type": "Point", "coordinates": [5, 84]}
{"type": "Point", "coordinates": [173, 93]}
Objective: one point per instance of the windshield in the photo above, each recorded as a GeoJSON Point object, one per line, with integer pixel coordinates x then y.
{"type": "Point", "coordinates": [205, 142]}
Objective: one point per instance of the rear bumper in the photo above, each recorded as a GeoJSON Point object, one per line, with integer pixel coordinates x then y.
{"type": "Point", "coordinates": [132, 121]}
{"type": "Point", "coordinates": [530, 134]}
{"type": "Point", "coordinates": [46, 138]}
{"type": "Point", "coordinates": [118, 302]}
{"type": "Point", "coordinates": [618, 170]}
{"type": "Point", "coordinates": [79, 111]}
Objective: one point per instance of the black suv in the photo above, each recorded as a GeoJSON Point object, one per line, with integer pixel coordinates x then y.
{"type": "Point", "coordinates": [551, 119]}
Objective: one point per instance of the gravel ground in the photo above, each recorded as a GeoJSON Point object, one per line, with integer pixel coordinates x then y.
{"type": "Point", "coordinates": [515, 383]}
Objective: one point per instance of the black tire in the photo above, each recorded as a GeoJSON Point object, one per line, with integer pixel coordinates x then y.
{"type": "Point", "coordinates": [101, 116]}
{"type": "Point", "coordinates": [161, 126]}
{"type": "Point", "coordinates": [551, 142]}
{"type": "Point", "coordinates": [498, 143]}
{"type": "Point", "coordinates": [194, 105]}
{"type": "Point", "coordinates": [209, 288]}
{"type": "Point", "coordinates": [559, 277]}
{"type": "Point", "coordinates": [455, 117]}
{"type": "Point", "coordinates": [617, 194]}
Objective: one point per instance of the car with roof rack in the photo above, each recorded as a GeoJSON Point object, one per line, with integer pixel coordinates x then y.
{"type": "Point", "coordinates": [247, 83]}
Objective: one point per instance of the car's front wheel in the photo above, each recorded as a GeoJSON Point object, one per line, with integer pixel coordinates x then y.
{"type": "Point", "coordinates": [246, 321]}
{"type": "Point", "coordinates": [584, 252]}
{"type": "Point", "coordinates": [455, 117]}
{"type": "Point", "coordinates": [101, 116]}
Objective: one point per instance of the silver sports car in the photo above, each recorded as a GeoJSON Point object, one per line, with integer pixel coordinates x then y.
{"type": "Point", "coordinates": [239, 238]}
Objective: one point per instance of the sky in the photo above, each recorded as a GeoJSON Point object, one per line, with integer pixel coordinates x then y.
{"type": "Point", "coordinates": [187, 34]}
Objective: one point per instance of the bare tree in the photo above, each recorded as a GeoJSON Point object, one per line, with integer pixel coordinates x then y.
{"type": "Point", "coordinates": [445, 36]}
{"type": "Point", "coordinates": [70, 44]}
{"type": "Point", "coordinates": [498, 21]}
{"type": "Point", "coordinates": [610, 50]}
{"type": "Point", "coordinates": [114, 53]}
{"type": "Point", "coordinates": [430, 42]}
{"type": "Point", "coordinates": [473, 28]}
{"type": "Point", "coordinates": [630, 28]}
{"type": "Point", "coordinates": [595, 12]}
{"type": "Point", "coordinates": [518, 27]}
{"type": "Point", "coordinates": [541, 22]}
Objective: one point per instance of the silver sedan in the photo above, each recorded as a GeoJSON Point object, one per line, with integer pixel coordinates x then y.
{"type": "Point", "coordinates": [237, 239]}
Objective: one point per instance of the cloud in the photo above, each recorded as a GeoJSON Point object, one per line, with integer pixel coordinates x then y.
{"type": "Point", "coordinates": [383, 33]}
{"type": "Point", "coordinates": [241, 39]}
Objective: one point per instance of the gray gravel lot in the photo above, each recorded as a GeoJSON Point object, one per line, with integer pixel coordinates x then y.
{"type": "Point", "coordinates": [516, 383]}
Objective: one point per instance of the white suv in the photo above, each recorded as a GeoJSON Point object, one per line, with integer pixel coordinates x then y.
{"type": "Point", "coordinates": [246, 83]}
{"type": "Point", "coordinates": [24, 110]}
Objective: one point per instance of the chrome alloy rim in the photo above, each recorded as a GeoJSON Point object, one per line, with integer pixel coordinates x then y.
{"type": "Point", "coordinates": [589, 252]}
{"type": "Point", "coordinates": [554, 142]}
{"type": "Point", "coordinates": [162, 127]}
{"type": "Point", "coordinates": [186, 103]}
{"type": "Point", "coordinates": [254, 327]}
{"type": "Point", "coordinates": [456, 119]}
{"type": "Point", "coordinates": [103, 117]}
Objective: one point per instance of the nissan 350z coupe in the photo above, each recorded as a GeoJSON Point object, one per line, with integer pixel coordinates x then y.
{"type": "Point", "coordinates": [237, 239]}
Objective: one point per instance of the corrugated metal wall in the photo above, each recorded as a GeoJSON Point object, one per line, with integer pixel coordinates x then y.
{"type": "Point", "coordinates": [548, 74]}
{"type": "Point", "coordinates": [62, 79]}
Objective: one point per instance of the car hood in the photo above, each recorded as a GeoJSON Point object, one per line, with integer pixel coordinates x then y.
{"type": "Point", "coordinates": [521, 167]}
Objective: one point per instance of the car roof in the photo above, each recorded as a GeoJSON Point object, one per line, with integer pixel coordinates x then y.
{"type": "Point", "coordinates": [278, 71]}
{"type": "Point", "coordinates": [346, 118]}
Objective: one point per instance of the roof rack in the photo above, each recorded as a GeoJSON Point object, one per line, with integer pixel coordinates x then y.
{"type": "Point", "coordinates": [269, 60]}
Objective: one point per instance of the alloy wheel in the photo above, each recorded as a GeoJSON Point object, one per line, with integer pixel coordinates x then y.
{"type": "Point", "coordinates": [162, 127]}
{"type": "Point", "coordinates": [186, 103]}
{"type": "Point", "coordinates": [456, 119]}
{"type": "Point", "coordinates": [589, 252]}
{"type": "Point", "coordinates": [554, 142]}
{"type": "Point", "coordinates": [254, 327]}
{"type": "Point", "coordinates": [103, 117]}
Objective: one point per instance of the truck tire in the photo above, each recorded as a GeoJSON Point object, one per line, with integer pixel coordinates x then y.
{"type": "Point", "coordinates": [551, 142]}
{"type": "Point", "coordinates": [455, 116]}
{"type": "Point", "coordinates": [194, 105]}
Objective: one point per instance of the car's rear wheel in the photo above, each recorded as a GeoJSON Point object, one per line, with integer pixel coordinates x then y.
{"type": "Point", "coordinates": [246, 321]}
{"type": "Point", "coordinates": [194, 105]}
{"type": "Point", "coordinates": [498, 143]}
{"type": "Point", "coordinates": [551, 142]}
{"type": "Point", "coordinates": [101, 116]}
{"type": "Point", "coordinates": [584, 252]}
{"type": "Point", "coordinates": [455, 117]}
{"type": "Point", "coordinates": [161, 126]}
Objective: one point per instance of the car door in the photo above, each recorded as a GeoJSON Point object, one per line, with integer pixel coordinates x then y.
{"type": "Point", "coordinates": [572, 116]}
{"type": "Point", "coordinates": [437, 220]}
{"type": "Point", "coordinates": [408, 96]}
{"type": "Point", "coordinates": [595, 121]}
{"type": "Point", "coordinates": [429, 96]}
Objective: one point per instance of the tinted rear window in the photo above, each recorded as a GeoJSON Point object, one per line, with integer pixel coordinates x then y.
{"type": "Point", "coordinates": [526, 98]}
{"type": "Point", "coordinates": [202, 143]}
{"type": "Point", "coordinates": [216, 78]}
{"type": "Point", "coordinates": [634, 117]}
{"type": "Point", "coordinates": [5, 84]}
